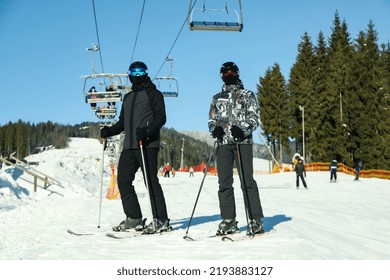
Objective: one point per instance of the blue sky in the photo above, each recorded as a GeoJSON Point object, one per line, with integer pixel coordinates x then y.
{"type": "Point", "coordinates": [43, 49]}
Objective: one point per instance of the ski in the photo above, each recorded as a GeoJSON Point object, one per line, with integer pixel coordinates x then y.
{"type": "Point", "coordinates": [132, 234]}
{"type": "Point", "coordinates": [244, 237]}
{"type": "Point", "coordinates": [84, 232]}
{"type": "Point", "coordinates": [189, 238]}
{"type": "Point", "coordinates": [79, 233]}
{"type": "Point", "coordinates": [123, 234]}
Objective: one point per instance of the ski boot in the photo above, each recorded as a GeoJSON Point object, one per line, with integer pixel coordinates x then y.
{"type": "Point", "coordinates": [125, 225]}
{"type": "Point", "coordinates": [227, 227]}
{"type": "Point", "coordinates": [157, 226]}
{"type": "Point", "coordinates": [255, 227]}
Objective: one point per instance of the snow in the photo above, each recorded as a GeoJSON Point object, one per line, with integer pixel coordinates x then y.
{"type": "Point", "coordinates": [339, 221]}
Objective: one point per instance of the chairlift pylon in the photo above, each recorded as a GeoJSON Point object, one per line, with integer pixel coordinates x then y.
{"type": "Point", "coordinates": [229, 20]}
{"type": "Point", "coordinates": [173, 90]}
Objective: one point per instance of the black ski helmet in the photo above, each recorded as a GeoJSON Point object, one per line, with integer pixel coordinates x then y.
{"type": "Point", "coordinates": [229, 66]}
{"type": "Point", "coordinates": [138, 66]}
{"type": "Point", "coordinates": [229, 73]}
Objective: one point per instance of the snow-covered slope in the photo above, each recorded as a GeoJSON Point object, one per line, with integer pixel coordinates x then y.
{"type": "Point", "coordinates": [340, 221]}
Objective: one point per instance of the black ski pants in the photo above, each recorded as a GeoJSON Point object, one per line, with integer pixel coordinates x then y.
{"type": "Point", "coordinates": [357, 173]}
{"type": "Point", "coordinates": [333, 174]}
{"type": "Point", "coordinates": [300, 175]}
{"type": "Point", "coordinates": [226, 155]}
{"type": "Point", "coordinates": [129, 163]}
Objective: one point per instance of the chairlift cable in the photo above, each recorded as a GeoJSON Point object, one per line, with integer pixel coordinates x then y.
{"type": "Point", "coordinates": [97, 35]}
{"type": "Point", "coordinates": [139, 27]}
{"type": "Point", "coordinates": [174, 42]}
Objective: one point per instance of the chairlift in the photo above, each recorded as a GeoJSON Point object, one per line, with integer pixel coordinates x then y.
{"type": "Point", "coordinates": [104, 123]}
{"type": "Point", "coordinates": [96, 89]}
{"type": "Point", "coordinates": [95, 92]}
{"type": "Point", "coordinates": [171, 87]}
{"type": "Point", "coordinates": [103, 112]}
{"type": "Point", "coordinates": [111, 147]}
{"type": "Point", "coordinates": [215, 19]}
{"type": "Point", "coordinates": [102, 96]}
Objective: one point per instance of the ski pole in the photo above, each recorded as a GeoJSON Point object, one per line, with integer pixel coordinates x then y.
{"type": "Point", "coordinates": [147, 181]}
{"type": "Point", "coordinates": [248, 210]}
{"type": "Point", "coordinates": [101, 182]}
{"type": "Point", "coordinates": [200, 189]}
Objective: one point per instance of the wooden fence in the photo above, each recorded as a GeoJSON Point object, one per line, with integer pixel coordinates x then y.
{"type": "Point", "coordinates": [23, 166]}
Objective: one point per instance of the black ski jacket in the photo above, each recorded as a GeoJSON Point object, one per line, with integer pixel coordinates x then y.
{"type": "Point", "coordinates": [141, 107]}
{"type": "Point", "coordinates": [300, 168]}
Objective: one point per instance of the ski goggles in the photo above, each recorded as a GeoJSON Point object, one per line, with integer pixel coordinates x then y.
{"type": "Point", "coordinates": [229, 73]}
{"type": "Point", "coordinates": [137, 72]}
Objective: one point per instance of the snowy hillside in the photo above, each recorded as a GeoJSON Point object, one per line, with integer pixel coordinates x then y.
{"type": "Point", "coordinates": [199, 135]}
{"type": "Point", "coordinates": [259, 150]}
{"type": "Point", "coordinates": [340, 221]}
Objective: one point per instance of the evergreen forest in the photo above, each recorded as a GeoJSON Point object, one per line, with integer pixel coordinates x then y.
{"type": "Point", "coordinates": [335, 102]}
{"type": "Point", "coordinates": [25, 138]}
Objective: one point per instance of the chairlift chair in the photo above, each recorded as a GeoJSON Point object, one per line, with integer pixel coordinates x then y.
{"type": "Point", "coordinates": [105, 112]}
{"type": "Point", "coordinates": [232, 18]}
{"type": "Point", "coordinates": [106, 123]}
{"type": "Point", "coordinates": [111, 147]}
{"type": "Point", "coordinates": [103, 95]}
{"type": "Point", "coordinates": [172, 91]}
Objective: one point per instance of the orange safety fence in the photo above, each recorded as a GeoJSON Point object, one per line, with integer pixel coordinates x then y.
{"type": "Point", "coordinates": [199, 168]}
{"type": "Point", "coordinates": [113, 191]}
{"type": "Point", "coordinates": [324, 166]}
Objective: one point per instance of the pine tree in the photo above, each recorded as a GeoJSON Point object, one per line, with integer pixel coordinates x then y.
{"type": "Point", "coordinates": [334, 118]}
{"type": "Point", "coordinates": [319, 153]}
{"type": "Point", "coordinates": [385, 102]}
{"type": "Point", "coordinates": [303, 97]}
{"type": "Point", "coordinates": [274, 112]}
{"type": "Point", "coordinates": [368, 121]}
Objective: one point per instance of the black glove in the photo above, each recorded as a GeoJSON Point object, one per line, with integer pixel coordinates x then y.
{"type": "Point", "coordinates": [105, 132]}
{"type": "Point", "coordinates": [237, 133]}
{"type": "Point", "coordinates": [142, 133]}
{"type": "Point", "coordinates": [218, 133]}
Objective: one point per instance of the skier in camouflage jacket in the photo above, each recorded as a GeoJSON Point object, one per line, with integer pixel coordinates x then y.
{"type": "Point", "coordinates": [233, 117]}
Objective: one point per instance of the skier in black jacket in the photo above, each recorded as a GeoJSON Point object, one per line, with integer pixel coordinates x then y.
{"type": "Point", "coordinates": [141, 118]}
{"type": "Point", "coordinates": [300, 171]}
{"type": "Point", "coordinates": [333, 171]}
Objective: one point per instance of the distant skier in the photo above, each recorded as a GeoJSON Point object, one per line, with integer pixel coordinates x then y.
{"type": "Point", "coordinates": [141, 118]}
{"type": "Point", "coordinates": [295, 158]}
{"type": "Point", "coordinates": [92, 90]}
{"type": "Point", "coordinates": [333, 171]}
{"type": "Point", "coordinates": [357, 169]}
{"type": "Point", "coordinates": [191, 171]}
{"type": "Point", "coordinates": [233, 117]}
{"type": "Point", "coordinates": [300, 171]}
{"type": "Point", "coordinates": [167, 170]}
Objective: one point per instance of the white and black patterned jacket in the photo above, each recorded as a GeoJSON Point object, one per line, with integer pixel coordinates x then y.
{"type": "Point", "coordinates": [237, 106]}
